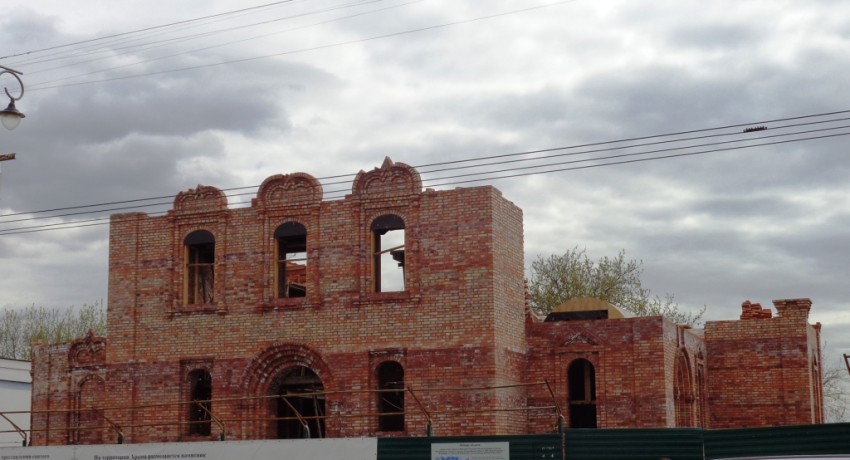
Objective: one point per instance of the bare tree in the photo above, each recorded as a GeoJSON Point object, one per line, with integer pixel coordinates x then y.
{"type": "Point", "coordinates": [558, 278]}
{"type": "Point", "coordinates": [836, 392]}
{"type": "Point", "coordinates": [20, 329]}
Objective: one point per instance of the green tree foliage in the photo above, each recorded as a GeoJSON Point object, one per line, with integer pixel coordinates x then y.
{"type": "Point", "coordinates": [21, 328]}
{"type": "Point", "coordinates": [558, 278]}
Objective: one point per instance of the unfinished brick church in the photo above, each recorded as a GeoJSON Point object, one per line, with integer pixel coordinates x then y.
{"type": "Point", "coordinates": [394, 311]}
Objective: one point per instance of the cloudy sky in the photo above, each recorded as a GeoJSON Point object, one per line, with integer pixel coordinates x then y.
{"type": "Point", "coordinates": [129, 101]}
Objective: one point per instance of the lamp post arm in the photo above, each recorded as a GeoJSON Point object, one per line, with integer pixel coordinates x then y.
{"type": "Point", "coordinates": [14, 73]}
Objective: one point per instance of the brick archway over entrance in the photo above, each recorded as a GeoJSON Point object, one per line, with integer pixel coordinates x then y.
{"type": "Point", "coordinates": [262, 381]}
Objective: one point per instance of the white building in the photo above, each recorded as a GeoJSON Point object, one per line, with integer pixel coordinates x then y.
{"type": "Point", "coordinates": [15, 395]}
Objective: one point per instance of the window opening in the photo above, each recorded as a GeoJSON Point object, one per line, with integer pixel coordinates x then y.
{"type": "Point", "coordinates": [291, 266]}
{"type": "Point", "coordinates": [683, 391]}
{"type": "Point", "coordinates": [200, 267]}
{"type": "Point", "coordinates": [581, 382]}
{"type": "Point", "coordinates": [200, 392]}
{"type": "Point", "coordinates": [300, 386]}
{"type": "Point", "coordinates": [818, 390]}
{"type": "Point", "coordinates": [388, 254]}
{"type": "Point", "coordinates": [87, 419]}
{"type": "Point", "coordinates": [391, 403]}
{"type": "Point", "coordinates": [702, 415]}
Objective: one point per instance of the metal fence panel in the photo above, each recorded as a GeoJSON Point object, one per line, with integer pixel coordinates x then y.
{"type": "Point", "coordinates": [522, 447]}
{"type": "Point", "coordinates": [634, 444]}
{"type": "Point", "coordinates": [831, 438]}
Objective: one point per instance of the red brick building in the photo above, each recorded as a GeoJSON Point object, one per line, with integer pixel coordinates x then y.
{"type": "Point", "coordinates": [379, 314]}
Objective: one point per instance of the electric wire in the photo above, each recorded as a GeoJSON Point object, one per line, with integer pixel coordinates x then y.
{"type": "Point", "coordinates": [638, 160]}
{"type": "Point", "coordinates": [652, 136]}
{"type": "Point", "coordinates": [622, 147]}
{"type": "Point", "coordinates": [625, 158]}
{"type": "Point", "coordinates": [110, 45]}
{"type": "Point", "coordinates": [37, 87]}
{"type": "Point", "coordinates": [206, 48]}
{"type": "Point", "coordinates": [648, 152]}
{"type": "Point", "coordinates": [143, 29]}
{"type": "Point", "coordinates": [422, 170]}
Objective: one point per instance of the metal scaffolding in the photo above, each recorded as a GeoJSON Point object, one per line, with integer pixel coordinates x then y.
{"type": "Point", "coordinates": [119, 427]}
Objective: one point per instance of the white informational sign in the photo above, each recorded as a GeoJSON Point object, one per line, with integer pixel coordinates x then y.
{"type": "Point", "coordinates": [15, 394]}
{"type": "Point", "coordinates": [471, 451]}
{"type": "Point", "coordinates": [284, 449]}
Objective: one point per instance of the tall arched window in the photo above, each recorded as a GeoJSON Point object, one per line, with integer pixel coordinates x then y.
{"type": "Point", "coordinates": [87, 419]}
{"type": "Point", "coordinates": [683, 391]}
{"type": "Point", "coordinates": [200, 268]}
{"type": "Point", "coordinates": [387, 253]}
{"type": "Point", "coordinates": [701, 396]}
{"type": "Point", "coordinates": [581, 384]}
{"type": "Point", "coordinates": [390, 396]}
{"type": "Point", "coordinates": [291, 260]}
{"type": "Point", "coordinates": [818, 389]}
{"type": "Point", "coordinates": [200, 392]}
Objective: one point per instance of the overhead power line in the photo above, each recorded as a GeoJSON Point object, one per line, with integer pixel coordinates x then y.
{"type": "Point", "coordinates": [44, 85]}
{"type": "Point", "coordinates": [146, 29]}
{"type": "Point", "coordinates": [124, 50]}
{"type": "Point", "coordinates": [743, 139]}
{"type": "Point", "coordinates": [527, 153]}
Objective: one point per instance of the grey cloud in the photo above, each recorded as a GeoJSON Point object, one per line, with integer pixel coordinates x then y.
{"type": "Point", "coordinates": [745, 208]}
{"type": "Point", "coordinates": [120, 108]}
{"type": "Point", "coordinates": [716, 37]}
{"type": "Point", "coordinates": [24, 30]}
{"type": "Point", "coordinates": [134, 167]}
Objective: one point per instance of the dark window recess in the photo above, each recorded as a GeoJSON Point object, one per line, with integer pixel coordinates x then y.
{"type": "Point", "coordinates": [300, 398]}
{"type": "Point", "coordinates": [581, 382]}
{"type": "Point", "coordinates": [391, 397]}
{"type": "Point", "coordinates": [576, 315]}
{"type": "Point", "coordinates": [387, 253]}
{"type": "Point", "coordinates": [200, 267]}
{"type": "Point", "coordinates": [200, 384]}
{"type": "Point", "coordinates": [291, 265]}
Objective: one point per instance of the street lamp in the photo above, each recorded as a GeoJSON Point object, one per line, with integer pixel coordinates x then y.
{"type": "Point", "coordinates": [11, 117]}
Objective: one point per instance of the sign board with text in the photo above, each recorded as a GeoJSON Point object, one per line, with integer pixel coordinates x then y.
{"type": "Point", "coordinates": [284, 449]}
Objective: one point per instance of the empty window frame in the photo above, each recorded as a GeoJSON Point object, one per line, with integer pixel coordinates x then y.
{"type": "Point", "coordinates": [387, 253]}
{"type": "Point", "coordinates": [200, 268]}
{"type": "Point", "coordinates": [200, 393]}
{"type": "Point", "coordinates": [291, 260]}
{"type": "Point", "coordinates": [581, 384]}
{"type": "Point", "coordinates": [390, 396]}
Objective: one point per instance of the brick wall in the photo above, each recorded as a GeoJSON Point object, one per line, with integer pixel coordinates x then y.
{"type": "Point", "coordinates": [457, 323]}
{"type": "Point", "coordinates": [475, 358]}
{"type": "Point", "coordinates": [763, 368]}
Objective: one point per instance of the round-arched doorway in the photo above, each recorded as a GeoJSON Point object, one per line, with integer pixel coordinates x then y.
{"type": "Point", "coordinates": [300, 393]}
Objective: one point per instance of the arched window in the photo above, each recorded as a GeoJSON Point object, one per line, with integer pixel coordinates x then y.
{"type": "Point", "coordinates": [818, 390]}
{"type": "Point", "coordinates": [390, 396]}
{"type": "Point", "coordinates": [683, 391]}
{"type": "Point", "coordinates": [702, 415]}
{"type": "Point", "coordinates": [200, 268]}
{"type": "Point", "coordinates": [87, 419]}
{"type": "Point", "coordinates": [387, 253]}
{"type": "Point", "coordinates": [581, 384]}
{"type": "Point", "coordinates": [300, 401]}
{"type": "Point", "coordinates": [200, 392]}
{"type": "Point", "coordinates": [291, 260]}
